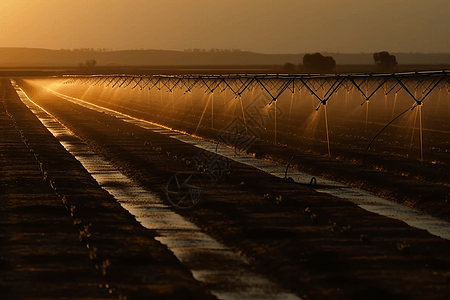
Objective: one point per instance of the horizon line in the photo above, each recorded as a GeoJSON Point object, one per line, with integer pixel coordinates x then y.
{"type": "Point", "coordinates": [204, 50]}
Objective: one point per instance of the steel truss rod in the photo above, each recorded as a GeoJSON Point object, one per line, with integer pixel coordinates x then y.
{"type": "Point", "coordinates": [334, 86]}
{"type": "Point", "coordinates": [189, 83]}
{"type": "Point", "coordinates": [211, 85]}
{"type": "Point", "coordinates": [119, 81]}
{"type": "Point", "coordinates": [279, 91]}
{"type": "Point", "coordinates": [240, 83]}
{"type": "Point", "coordinates": [126, 81]}
{"type": "Point", "coordinates": [366, 95]}
{"type": "Point", "coordinates": [137, 80]}
{"type": "Point", "coordinates": [172, 83]}
{"type": "Point", "coordinates": [430, 87]}
{"type": "Point", "coordinates": [146, 81]}
{"type": "Point", "coordinates": [389, 89]}
{"type": "Point", "coordinates": [276, 84]}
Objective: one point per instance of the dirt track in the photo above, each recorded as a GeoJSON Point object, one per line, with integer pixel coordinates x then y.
{"type": "Point", "coordinates": [316, 245]}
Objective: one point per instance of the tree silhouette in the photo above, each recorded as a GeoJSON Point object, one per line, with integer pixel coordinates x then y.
{"type": "Point", "coordinates": [384, 60]}
{"type": "Point", "coordinates": [90, 63]}
{"type": "Point", "coordinates": [318, 62]}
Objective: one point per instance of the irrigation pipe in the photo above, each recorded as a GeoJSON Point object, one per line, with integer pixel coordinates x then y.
{"type": "Point", "coordinates": [386, 126]}
{"type": "Point", "coordinates": [291, 180]}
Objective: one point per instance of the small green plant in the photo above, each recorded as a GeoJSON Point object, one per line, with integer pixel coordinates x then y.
{"type": "Point", "coordinates": [333, 225]}
{"type": "Point", "coordinates": [200, 168]}
{"type": "Point", "coordinates": [85, 234]}
{"type": "Point", "coordinates": [278, 199]}
{"type": "Point", "coordinates": [105, 265]}
{"type": "Point", "coordinates": [53, 184]}
{"type": "Point", "coordinates": [93, 255]}
{"type": "Point", "coordinates": [403, 247]}
{"type": "Point", "coordinates": [346, 228]}
{"type": "Point", "coordinates": [72, 210]}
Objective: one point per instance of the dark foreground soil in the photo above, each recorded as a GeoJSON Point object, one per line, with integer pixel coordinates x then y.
{"type": "Point", "coordinates": [61, 235]}
{"type": "Point", "coordinates": [315, 245]}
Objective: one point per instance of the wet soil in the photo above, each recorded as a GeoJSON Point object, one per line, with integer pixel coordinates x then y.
{"type": "Point", "coordinates": [316, 245]}
{"type": "Point", "coordinates": [62, 236]}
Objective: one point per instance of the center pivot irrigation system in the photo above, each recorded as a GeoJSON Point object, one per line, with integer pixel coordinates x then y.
{"type": "Point", "coordinates": [276, 84]}
{"type": "Point", "coordinates": [418, 85]}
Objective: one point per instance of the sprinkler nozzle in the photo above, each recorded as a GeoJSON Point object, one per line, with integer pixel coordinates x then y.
{"type": "Point", "coordinates": [317, 109]}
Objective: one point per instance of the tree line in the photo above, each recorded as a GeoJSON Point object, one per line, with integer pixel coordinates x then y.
{"type": "Point", "coordinates": [212, 50]}
{"type": "Point", "coordinates": [89, 49]}
{"type": "Point", "coordinates": [90, 63]}
{"type": "Point", "coordinates": [319, 63]}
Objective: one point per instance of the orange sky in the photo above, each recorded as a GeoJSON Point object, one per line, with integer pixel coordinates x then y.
{"type": "Point", "coordinates": [266, 26]}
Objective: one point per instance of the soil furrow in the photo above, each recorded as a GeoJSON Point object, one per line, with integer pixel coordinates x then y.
{"type": "Point", "coordinates": [316, 245]}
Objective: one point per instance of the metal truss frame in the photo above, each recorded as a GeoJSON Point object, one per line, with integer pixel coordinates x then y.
{"type": "Point", "coordinates": [322, 87]}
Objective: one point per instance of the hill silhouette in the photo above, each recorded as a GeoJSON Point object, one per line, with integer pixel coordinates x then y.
{"type": "Point", "coordinates": [33, 57]}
